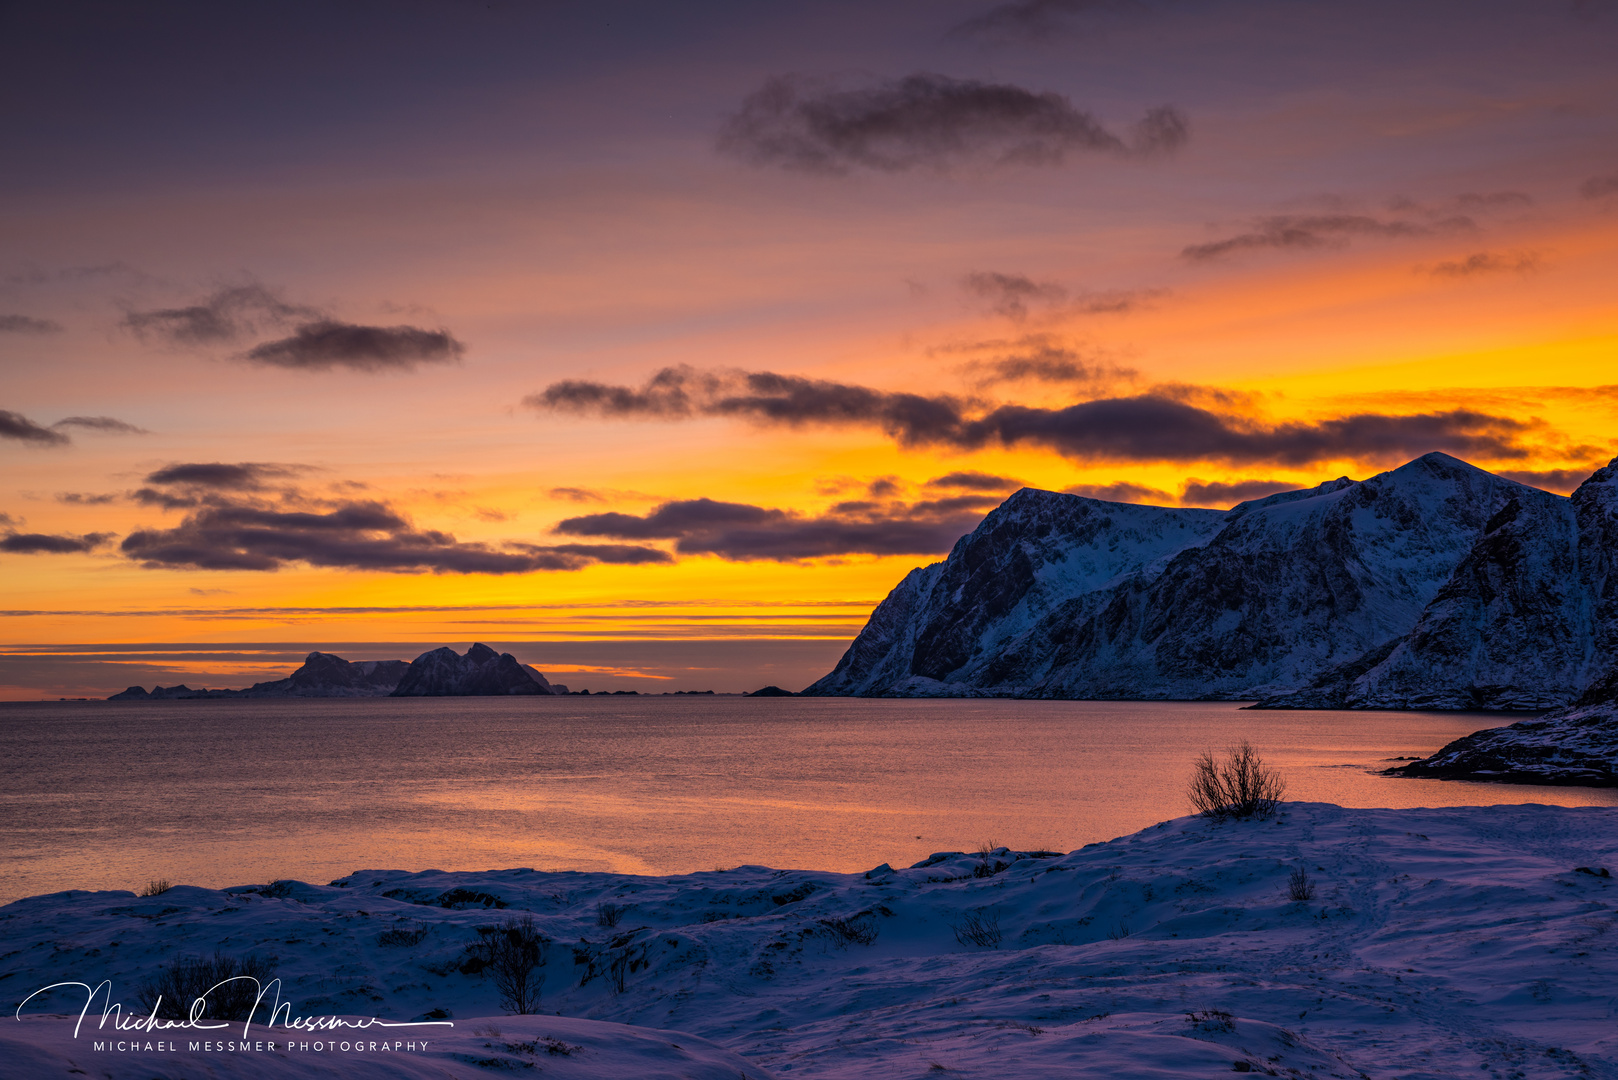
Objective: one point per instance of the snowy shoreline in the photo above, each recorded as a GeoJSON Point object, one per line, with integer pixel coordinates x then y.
{"type": "Point", "coordinates": [1437, 942]}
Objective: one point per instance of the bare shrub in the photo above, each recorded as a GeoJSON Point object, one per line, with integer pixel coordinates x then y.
{"type": "Point", "coordinates": [1299, 886]}
{"type": "Point", "coordinates": [1212, 1020]}
{"type": "Point", "coordinates": [1119, 932]}
{"type": "Point", "coordinates": [609, 914]}
{"type": "Point", "coordinates": [980, 926]}
{"type": "Point", "coordinates": [228, 986]}
{"type": "Point", "coordinates": [986, 868]}
{"type": "Point", "coordinates": [156, 888]}
{"type": "Point", "coordinates": [402, 936]}
{"type": "Point", "coordinates": [860, 930]}
{"type": "Point", "coordinates": [1237, 785]}
{"type": "Point", "coordinates": [512, 952]}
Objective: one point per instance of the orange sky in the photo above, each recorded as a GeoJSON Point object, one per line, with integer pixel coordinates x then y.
{"type": "Point", "coordinates": [1428, 227]}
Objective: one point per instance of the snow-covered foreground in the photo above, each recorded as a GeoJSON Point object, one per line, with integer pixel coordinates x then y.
{"type": "Point", "coordinates": [1437, 943]}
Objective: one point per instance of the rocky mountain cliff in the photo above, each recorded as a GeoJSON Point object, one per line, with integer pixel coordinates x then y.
{"type": "Point", "coordinates": [1434, 585]}
{"type": "Point", "coordinates": [482, 672]}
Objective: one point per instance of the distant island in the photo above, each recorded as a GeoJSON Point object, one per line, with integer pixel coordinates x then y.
{"type": "Point", "coordinates": [481, 672]}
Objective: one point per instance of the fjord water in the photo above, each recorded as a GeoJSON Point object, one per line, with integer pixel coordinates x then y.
{"type": "Point", "coordinates": [217, 793]}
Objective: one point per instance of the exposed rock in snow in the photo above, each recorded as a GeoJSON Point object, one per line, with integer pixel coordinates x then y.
{"type": "Point", "coordinates": [482, 672]}
{"type": "Point", "coordinates": [1434, 943]}
{"type": "Point", "coordinates": [1576, 745]}
{"type": "Point", "coordinates": [1435, 585]}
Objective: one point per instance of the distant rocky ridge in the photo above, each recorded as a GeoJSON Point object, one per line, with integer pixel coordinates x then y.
{"type": "Point", "coordinates": [1436, 585]}
{"type": "Point", "coordinates": [324, 675]}
{"type": "Point", "coordinates": [482, 672]}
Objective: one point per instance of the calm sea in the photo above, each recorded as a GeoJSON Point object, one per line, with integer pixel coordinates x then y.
{"type": "Point", "coordinates": [112, 795]}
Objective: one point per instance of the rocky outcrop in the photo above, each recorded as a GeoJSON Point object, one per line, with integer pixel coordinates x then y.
{"type": "Point", "coordinates": [326, 675]}
{"type": "Point", "coordinates": [1573, 746]}
{"type": "Point", "coordinates": [1434, 585]}
{"type": "Point", "coordinates": [482, 672]}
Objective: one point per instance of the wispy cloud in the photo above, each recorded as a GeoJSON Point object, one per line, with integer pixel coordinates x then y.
{"type": "Point", "coordinates": [19, 428]}
{"type": "Point", "coordinates": [107, 425]}
{"type": "Point", "coordinates": [1485, 262]}
{"type": "Point", "coordinates": [16, 543]}
{"type": "Point", "coordinates": [1222, 494]}
{"type": "Point", "coordinates": [1309, 231]}
{"type": "Point", "coordinates": [926, 120]}
{"type": "Point", "coordinates": [1598, 187]}
{"type": "Point", "coordinates": [317, 342]}
{"type": "Point", "coordinates": [24, 324]}
{"type": "Point", "coordinates": [744, 532]}
{"type": "Point", "coordinates": [233, 524]}
{"type": "Point", "coordinates": [1122, 491]}
{"type": "Point", "coordinates": [224, 317]}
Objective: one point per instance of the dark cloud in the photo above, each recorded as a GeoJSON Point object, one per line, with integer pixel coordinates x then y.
{"type": "Point", "coordinates": [19, 427]}
{"type": "Point", "coordinates": [926, 120]}
{"type": "Point", "coordinates": [975, 481]}
{"type": "Point", "coordinates": [46, 544]}
{"type": "Point", "coordinates": [1169, 423]}
{"type": "Point", "coordinates": [105, 424]}
{"type": "Point", "coordinates": [883, 487]}
{"type": "Point", "coordinates": [1561, 481]}
{"type": "Point", "coordinates": [766, 397]}
{"type": "Point", "coordinates": [77, 498]}
{"type": "Point", "coordinates": [1289, 231]}
{"type": "Point", "coordinates": [226, 316]}
{"type": "Point", "coordinates": [1152, 428]}
{"type": "Point", "coordinates": [1486, 262]}
{"type": "Point", "coordinates": [327, 344]}
{"type": "Point", "coordinates": [1214, 493]}
{"type": "Point", "coordinates": [1039, 19]}
{"type": "Point", "coordinates": [23, 324]}
{"type": "Point", "coordinates": [240, 476]}
{"type": "Point", "coordinates": [742, 532]}
{"type": "Point", "coordinates": [237, 535]}
{"type": "Point", "coordinates": [1122, 491]}
{"type": "Point", "coordinates": [1598, 186]}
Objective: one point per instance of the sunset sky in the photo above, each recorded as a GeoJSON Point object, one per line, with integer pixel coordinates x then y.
{"type": "Point", "coordinates": [655, 343]}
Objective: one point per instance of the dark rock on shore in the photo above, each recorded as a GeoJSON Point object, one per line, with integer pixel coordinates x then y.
{"type": "Point", "coordinates": [1575, 746]}
{"type": "Point", "coordinates": [772, 691]}
{"type": "Point", "coordinates": [482, 672]}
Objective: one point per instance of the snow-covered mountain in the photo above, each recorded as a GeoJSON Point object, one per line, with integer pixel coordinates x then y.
{"type": "Point", "coordinates": [1435, 585]}
{"type": "Point", "coordinates": [482, 672]}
